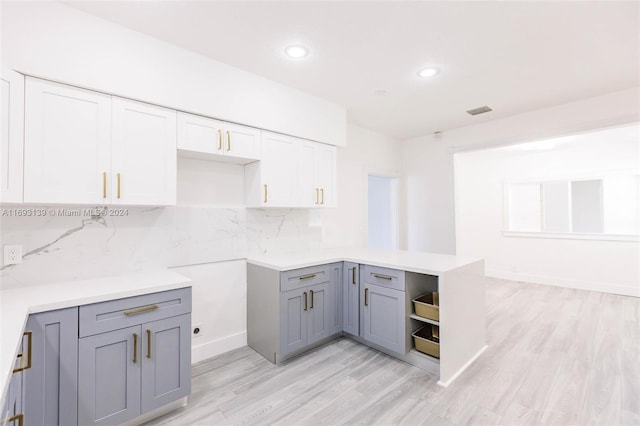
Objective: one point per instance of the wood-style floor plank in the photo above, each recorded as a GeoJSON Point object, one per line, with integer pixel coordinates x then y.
{"type": "Point", "coordinates": [556, 357]}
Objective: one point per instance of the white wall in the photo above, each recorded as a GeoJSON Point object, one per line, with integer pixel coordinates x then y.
{"type": "Point", "coordinates": [427, 162]}
{"type": "Point", "coordinates": [601, 265]}
{"type": "Point", "coordinates": [51, 40]}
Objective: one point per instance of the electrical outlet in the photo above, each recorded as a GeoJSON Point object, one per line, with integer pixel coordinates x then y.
{"type": "Point", "coordinates": [196, 330]}
{"type": "Point", "coordinates": [12, 255]}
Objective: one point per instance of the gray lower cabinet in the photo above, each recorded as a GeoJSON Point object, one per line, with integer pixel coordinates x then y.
{"type": "Point", "coordinates": [351, 298]}
{"type": "Point", "coordinates": [383, 313]}
{"type": "Point", "coordinates": [132, 370]}
{"type": "Point", "coordinates": [51, 382]}
{"type": "Point", "coordinates": [12, 411]}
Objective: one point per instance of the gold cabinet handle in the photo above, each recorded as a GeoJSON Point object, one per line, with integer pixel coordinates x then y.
{"type": "Point", "coordinates": [353, 277]}
{"type": "Point", "coordinates": [18, 417]}
{"type": "Point", "coordinates": [104, 184]}
{"type": "Point", "coordinates": [311, 291]}
{"type": "Point", "coordinates": [219, 140]}
{"type": "Point", "coordinates": [306, 277]}
{"type": "Point", "coordinates": [321, 195]}
{"type": "Point", "coordinates": [317, 195]}
{"type": "Point", "coordinates": [383, 277]}
{"type": "Point", "coordinates": [141, 310]}
{"type": "Point", "coordinates": [148, 343]}
{"type": "Point", "coordinates": [118, 179]}
{"type": "Point", "coordinates": [26, 366]}
{"type": "Point", "coordinates": [305, 300]}
{"type": "Point", "coordinates": [228, 141]}
{"type": "Point", "coordinates": [366, 297]}
{"type": "Point", "coordinates": [265, 193]}
{"type": "Point", "coordinates": [135, 348]}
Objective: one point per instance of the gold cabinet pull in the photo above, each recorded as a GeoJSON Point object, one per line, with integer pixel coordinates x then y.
{"type": "Point", "coordinates": [228, 141]}
{"type": "Point", "coordinates": [317, 195]}
{"type": "Point", "coordinates": [141, 310]}
{"type": "Point", "coordinates": [135, 348]}
{"type": "Point", "coordinates": [104, 184]}
{"type": "Point", "coordinates": [26, 366]}
{"type": "Point", "coordinates": [306, 277]}
{"type": "Point", "coordinates": [383, 277]}
{"type": "Point", "coordinates": [321, 195]}
{"type": "Point", "coordinates": [366, 297]}
{"type": "Point", "coordinates": [118, 178]}
{"type": "Point", "coordinates": [353, 277]}
{"type": "Point", "coordinates": [265, 193]}
{"type": "Point", "coordinates": [219, 140]}
{"type": "Point", "coordinates": [148, 343]}
{"type": "Point", "coordinates": [311, 291]}
{"type": "Point", "coordinates": [305, 300]}
{"type": "Point", "coordinates": [17, 418]}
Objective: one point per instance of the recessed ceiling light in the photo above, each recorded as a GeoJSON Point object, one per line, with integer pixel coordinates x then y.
{"type": "Point", "coordinates": [428, 72]}
{"type": "Point", "coordinates": [296, 51]}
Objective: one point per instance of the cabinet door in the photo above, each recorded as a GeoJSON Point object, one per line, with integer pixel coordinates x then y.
{"type": "Point", "coordinates": [67, 144]}
{"type": "Point", "coordinates": [279, 170]}
{"type": "Point", "coordinates": [321, 312]}
{"type": "Point", "coordinates": [200, 134]}
{"type": "Point", "coordinates": [51, 384]}
{"type": "Point", "coordinates": [325, 171]}
{"type": "Point", "coordinates": [166, 361]}
{"type": "Point", "coordinates": [350, 298]}
{"type": "Point", "coordinates": [294, 307]}
{"type": "Point", "coordinates": [241, 141]}
{"type": "Point", "coordinates": [11, 136]}
{"type": "Point", "coordinates": [12, 407]}
{"type": "Point", "coordinates": [384, 317]}
{"type": "Point", "coordinates": [109, 377]}
{"type": "Point", "coordinates": [144, 154]}
{"type": "Point", "coordinates": [309, 190]}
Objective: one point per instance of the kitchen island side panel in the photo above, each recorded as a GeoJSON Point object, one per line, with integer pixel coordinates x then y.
{"type": "Point", "coordinates": [462, 319]}
{"type": "Point", "coordinates": [263, 313]}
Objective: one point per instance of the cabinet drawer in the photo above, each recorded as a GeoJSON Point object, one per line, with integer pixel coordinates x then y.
{"type": "Point", "coordinates": [303, 277]}
{"type": "Point", "coordinates": [121, 313]}
{"type": "Point", "coordinates": [384, 277]}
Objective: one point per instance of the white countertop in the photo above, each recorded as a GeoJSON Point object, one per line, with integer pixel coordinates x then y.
{"type": "Point", "coordinates": [423, 263]}
{"type": "Point", "coordinates": [17, 304]}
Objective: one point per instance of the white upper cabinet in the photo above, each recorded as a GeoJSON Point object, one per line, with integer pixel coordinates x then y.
{"type": "Point", "coordinates": [84, 147]}
{"type": "Point", "coordinates": [317, 175]}
{"type": "Point", "coordinates": [143, 165]}
{"type": "Point", "coordinates": [273, 182]}
{"type": "Point", "coordinates": [206, 138]}
{"type": "Point", "coordinates": [67, 145]}
{"type": "Point", "coordinates": [12, 136]}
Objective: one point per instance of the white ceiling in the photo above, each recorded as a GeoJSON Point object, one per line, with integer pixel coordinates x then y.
{"type": "Point", "coordinates": [512, 56]}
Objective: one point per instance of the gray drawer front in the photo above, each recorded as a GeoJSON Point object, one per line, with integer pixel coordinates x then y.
{"type": "Point", "coordinates": [384, 277]}
{"type": "Point", "coordinates": [106, 316]}
{"type": "Point", "coordinates": [303, 277]}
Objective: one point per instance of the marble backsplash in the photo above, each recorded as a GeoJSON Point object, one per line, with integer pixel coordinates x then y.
{"type": "Point", "coordinates": [59, 247]}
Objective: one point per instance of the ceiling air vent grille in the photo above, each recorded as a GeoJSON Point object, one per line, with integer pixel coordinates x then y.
{"type": "Point", "coordinates": [479, 110]}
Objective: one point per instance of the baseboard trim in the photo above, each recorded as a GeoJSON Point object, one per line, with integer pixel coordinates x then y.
{"type": "Point", "coordinates": [567, 283]}
{"type": "Point", "coordinates": [210, 349]}
{"type": "Point", "coordinates": [445, 383]}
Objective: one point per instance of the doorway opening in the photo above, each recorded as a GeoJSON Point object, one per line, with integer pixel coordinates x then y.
{"type": "Point", "coordinates": [382, 212]}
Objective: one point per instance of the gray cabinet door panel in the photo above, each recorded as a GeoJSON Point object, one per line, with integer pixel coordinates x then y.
{"type": "Point", "coordinates": [321, 313]}
{"type": "Point", "coordinates": [293, 321]}
{"type": "Point", "coordinates": [384, 317]}
{"type": "Point", "coordinates": [51, 384]}
{"type": "Point", "coordinates": [109, 379]}
{"type": "Point", "coordinates": [166, 361]}
{"type": "Point", "coordinates": [350, 298]}
{"type": "Point", "coordinates": [335, 292]}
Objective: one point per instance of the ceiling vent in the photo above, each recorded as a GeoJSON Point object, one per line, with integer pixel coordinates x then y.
{"type": "Point", "coordinates": [479, 110]}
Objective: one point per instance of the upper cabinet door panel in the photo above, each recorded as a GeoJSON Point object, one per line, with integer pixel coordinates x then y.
{"type": "Point", "coordinates": [144, 154]}
{"type": "Point", "coordinates": [279, 170]}
{"type": "Point", "coordinates": [67, 140]}
{"type": "Point", "coordinates": [241, 141]}
{"type": "Point", "coordinates": [11, 136]}
{"type": "Point", "coordinates": [309, 191]}
{"type": "Point", "coordinates": [325, 168]}
{"type": "Point", "coordinates": [200, 134]}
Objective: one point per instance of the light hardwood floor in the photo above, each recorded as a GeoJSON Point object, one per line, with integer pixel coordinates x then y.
{"type": "Point", "coordinates": [556, 356]}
